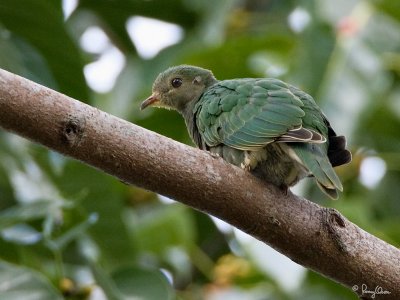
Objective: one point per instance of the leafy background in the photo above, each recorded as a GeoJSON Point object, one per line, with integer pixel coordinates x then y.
{"type": "Point", "coordinates": [69, 231]}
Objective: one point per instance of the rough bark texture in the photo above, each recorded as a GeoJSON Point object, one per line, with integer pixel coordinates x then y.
{"type": "Point", "coordinates": [316, 237]}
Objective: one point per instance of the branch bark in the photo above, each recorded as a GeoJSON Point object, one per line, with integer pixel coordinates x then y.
{"type": "Point", "coordinates": [318, 238]}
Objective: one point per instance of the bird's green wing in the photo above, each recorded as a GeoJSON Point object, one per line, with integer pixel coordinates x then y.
{"type": "Point", "coordinates": [247, 114]}
{"type": "Point", "coordinates": [314, 118]}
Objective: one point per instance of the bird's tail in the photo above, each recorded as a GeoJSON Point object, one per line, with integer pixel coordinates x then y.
{"type": "Point", "coordinates": [318, 163]}
{"type": "Point", "coordinates": [337, 153]}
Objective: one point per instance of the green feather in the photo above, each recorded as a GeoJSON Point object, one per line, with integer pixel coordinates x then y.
{"type": "Point", "coordinates": [245, 107]}
{"type": "Point", "coordinates": [315, 159]}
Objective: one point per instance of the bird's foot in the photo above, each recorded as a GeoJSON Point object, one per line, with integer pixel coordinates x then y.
{"type": "Point", "coordinates": [284, 188]}
{"type": "Point", "coordinates": [214, 155]}
{"type": "Point", "coordinates": [245, 167]}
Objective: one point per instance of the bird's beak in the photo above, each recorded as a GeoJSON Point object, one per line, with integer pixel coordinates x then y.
{"type": "Point", "coordinates": [149, 101]}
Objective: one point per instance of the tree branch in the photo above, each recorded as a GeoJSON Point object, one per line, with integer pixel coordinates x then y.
{"type": "Point", "coordinates": [316, 237]}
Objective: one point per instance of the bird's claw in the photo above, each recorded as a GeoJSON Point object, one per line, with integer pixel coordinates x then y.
{"type": "Point", "coordinates": [214, 155]}
{"type": "Point", "coordinates": [245, 167]}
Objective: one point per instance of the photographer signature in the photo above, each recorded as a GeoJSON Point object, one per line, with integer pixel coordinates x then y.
{"type": "Point", "coordinates": [364, 290]}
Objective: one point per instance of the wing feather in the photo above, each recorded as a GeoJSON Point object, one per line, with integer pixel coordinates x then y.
{"type": "Point", "coordinates": [302, 135]}
{"type": "Point", "coordinates": [247, 114]}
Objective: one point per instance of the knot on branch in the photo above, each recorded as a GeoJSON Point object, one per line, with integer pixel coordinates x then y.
{"type": "Point", "coordinates": [332, 221]}
{"type": "Point", "coordinates": [72, 130]}
{"type": "Point", "coordinates": [274, 221]}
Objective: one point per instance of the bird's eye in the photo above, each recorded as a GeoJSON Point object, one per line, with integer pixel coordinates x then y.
{"type": "Point", "coordinates": [176, 82]}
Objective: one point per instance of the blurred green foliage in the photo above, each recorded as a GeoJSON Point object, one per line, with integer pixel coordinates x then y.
{"type": "Point", "coordinates": [67, 230]}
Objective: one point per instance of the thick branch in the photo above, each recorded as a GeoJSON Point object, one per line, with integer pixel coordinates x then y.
{"type": "Point", "coordinates": [318, 238]}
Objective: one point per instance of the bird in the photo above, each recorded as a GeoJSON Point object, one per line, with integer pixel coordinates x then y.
{"type": "Point", "coordinates": [262, 125]}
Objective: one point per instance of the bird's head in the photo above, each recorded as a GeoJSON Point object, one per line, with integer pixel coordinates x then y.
{"type": "Point", "coordinates": [178, 86]}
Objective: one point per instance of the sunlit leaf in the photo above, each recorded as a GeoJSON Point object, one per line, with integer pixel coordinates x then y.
{"type": "Point", "coordinates": [21, 234]}
{"type": "Point", "coordinates": [23, 283]}
{"type": "Point", "coordinates": [25, 212]}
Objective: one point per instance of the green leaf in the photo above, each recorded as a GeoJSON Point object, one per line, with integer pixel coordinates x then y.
{"type": "Point", "coordinates": [105, 282]}
{"type": "Point", "coordinates": [25, 212]}
{"type": "Point", "coordinates": [139, 283]}
{"type": "Point", "coordinates": [21, 234]}
{"type": "Point", "coordinates": [105, 196]}
{"type": "Point", "coordinates": [389, 7]}
{"type": "Point", "coordinates": [40, 23]}
{"type": "Point", "coordinates": [230, 59]}
{"type": "Point", "coordinates": [161, 227]}
{"type": "Point", "coordinates": [24, 283]}
{"type": "Point", "coordinates": [115, 22]}
{"type": "Point", "coordinates": [18, 56]}
{"type": "Point", "coordinates": [62, 241]}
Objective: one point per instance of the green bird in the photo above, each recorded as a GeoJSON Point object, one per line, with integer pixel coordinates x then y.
{"type": "Point", "coordinates": [263, 125]}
